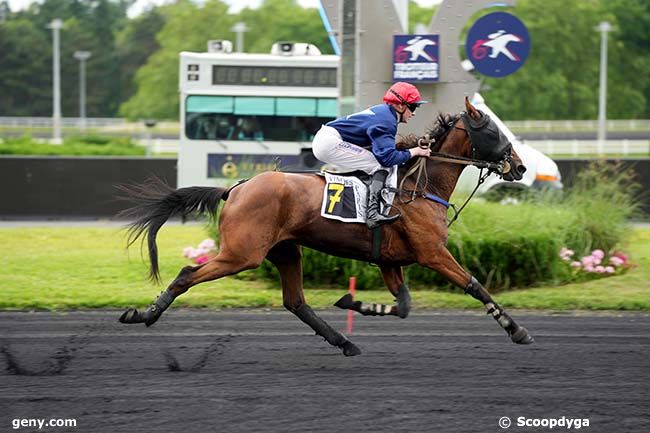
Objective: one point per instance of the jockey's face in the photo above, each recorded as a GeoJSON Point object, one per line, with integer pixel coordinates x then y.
{"type": "Point", "coordinates": [406, 112]}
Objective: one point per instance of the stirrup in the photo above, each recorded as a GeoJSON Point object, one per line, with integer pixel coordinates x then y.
{"type": "Point", "coordinates": [380, 220]}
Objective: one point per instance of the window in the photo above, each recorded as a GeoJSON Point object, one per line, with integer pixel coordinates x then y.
{"type": "Point", "coordinates": [256, 118]}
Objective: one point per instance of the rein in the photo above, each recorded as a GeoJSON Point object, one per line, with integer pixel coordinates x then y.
{"type": "Point", "coordinates": [500, 167]}
{"type": "Point", "coordinates": [419, 168]}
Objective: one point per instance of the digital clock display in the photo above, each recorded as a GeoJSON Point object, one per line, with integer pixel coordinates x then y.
{"type": "Point", "coordinates": [273, 76]}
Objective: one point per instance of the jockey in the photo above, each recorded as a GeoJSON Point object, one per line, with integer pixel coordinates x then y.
{"type": "Point", "coordinates": [366, 141]}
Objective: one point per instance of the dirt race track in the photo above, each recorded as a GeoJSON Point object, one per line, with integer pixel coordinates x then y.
{"type": "Point", "coordinates": [265, 371]}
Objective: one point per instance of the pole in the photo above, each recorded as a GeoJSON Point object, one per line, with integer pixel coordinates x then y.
{"type": "Point", "coordinates": [82, 93]}
{"type": "Point", "coordinates": [604, 27]}
{"type": "Point", "coordinates": [82, 56]}
{"type": "Point", "coordinates": [239, 29]}
{"type": "Point", "coordinates": [56, 25]}
{"type": "Point", "coordinates": [353, 291]}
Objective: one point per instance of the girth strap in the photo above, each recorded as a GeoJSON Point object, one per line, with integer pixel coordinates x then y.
{"type": "Point", "coordinates": [376, 244]}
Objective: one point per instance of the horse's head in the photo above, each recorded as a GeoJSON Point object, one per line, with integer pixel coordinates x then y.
{"type": "Point", "coordinates": [486, 142]}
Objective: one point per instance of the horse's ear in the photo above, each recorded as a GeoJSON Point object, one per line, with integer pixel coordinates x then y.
{"type": "Point", "coordinates": [473, 112]}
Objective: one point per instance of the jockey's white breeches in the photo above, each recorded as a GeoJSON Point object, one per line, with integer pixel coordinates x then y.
{"type": "Point", "coordinates": [329, 147]}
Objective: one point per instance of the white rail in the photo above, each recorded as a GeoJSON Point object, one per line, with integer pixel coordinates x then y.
{"type": "Point", "coordinates": [591, 147]}
{"type": "Point", "coordinates": [519, 126]}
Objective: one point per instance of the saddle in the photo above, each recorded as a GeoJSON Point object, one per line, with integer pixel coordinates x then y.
{"type": "Point", "coordinates": [345, 196]}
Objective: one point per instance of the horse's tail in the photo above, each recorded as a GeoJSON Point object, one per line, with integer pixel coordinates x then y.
{"type": "Point", "coordinates": [156, 202]}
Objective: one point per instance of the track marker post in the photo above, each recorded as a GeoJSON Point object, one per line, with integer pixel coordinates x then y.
{"type": "Point", "coordinates": [352, 288]}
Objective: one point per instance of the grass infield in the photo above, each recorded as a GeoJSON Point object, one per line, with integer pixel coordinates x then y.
{"type": "Point", "coordinates": [73, 268]}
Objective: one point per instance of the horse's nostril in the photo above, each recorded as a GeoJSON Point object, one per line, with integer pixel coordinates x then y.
{"type": "Point", "coordinates": [521, 169]}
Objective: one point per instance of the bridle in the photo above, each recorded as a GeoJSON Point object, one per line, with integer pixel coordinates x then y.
{"type": "Point", "coordinates": [500, 168]}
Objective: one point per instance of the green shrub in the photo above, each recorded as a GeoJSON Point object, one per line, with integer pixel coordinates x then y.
{"type": "Point", "coordinates": [92, 145]}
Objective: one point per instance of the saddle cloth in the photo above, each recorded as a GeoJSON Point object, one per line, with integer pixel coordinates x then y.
{"type": "Point", "coordinates": [345, 198]}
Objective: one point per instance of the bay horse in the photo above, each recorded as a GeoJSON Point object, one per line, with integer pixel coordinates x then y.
{"type": "Point", "coordinates": [271, 215]}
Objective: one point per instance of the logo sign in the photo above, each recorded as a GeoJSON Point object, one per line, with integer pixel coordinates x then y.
{"type": "Point", "coordinates": [498, 44]}
{"type": "Point", "coordinates": [415, 58]}
{"type": "Point", "coordinates": [237, 166]}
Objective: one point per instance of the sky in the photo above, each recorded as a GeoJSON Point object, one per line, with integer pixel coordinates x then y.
{"type": "Point", "coordinates": [235, 5]}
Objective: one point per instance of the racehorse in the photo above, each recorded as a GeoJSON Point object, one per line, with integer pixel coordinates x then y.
{"type": "Point", "coordinates": [271, 215]}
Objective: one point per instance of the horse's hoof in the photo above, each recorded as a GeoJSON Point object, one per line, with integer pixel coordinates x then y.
{"type": "Point", "coordinates": [151, 318]}
{"type": "Point", "coordinates": [403, 302]}
{"type": "Point", "coordinates": [521, 336]}
{"type": "Point", "coordinates": [349, 349]}
{"type": "Point", "coordinates": [131, 316]}
{"type": "Point", "coordinates": [345, 302]}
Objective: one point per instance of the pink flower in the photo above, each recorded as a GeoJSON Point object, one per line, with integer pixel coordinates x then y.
{"type": "Point", "coordinates": [566, 253]}
{"type": "Point", "coordinates": [599, 269]}
{"type": "Point", "coordinates": [598, 254]}
{"type": "Point", "coordinates": [609, 269]}
{"type": "Point", "coordinates": [589, 268]}
{"type": "Point", "coordinates": [207, 244]}
{"type": "Point", "coordinates": [196, 252]}
{"type": "Point", "coordinates": [588, 261]}
{"type": "Point", "coordinates": [201, 259]}
{"type": "Point", "coordinates": [616, 261]}
{"type": "Point", "coordinates": [621, 256]}
{"type": "Point", "coordinates": [187, 252]}
{"type": "Point", "coordinates": [576, 264]}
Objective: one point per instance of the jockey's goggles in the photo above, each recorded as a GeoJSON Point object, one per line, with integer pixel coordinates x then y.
{"type": "Point", "coordinates": [410, 105]}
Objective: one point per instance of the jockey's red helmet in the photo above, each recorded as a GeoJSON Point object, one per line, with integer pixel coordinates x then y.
{"type": "Point", "coordinates": [403, 93]}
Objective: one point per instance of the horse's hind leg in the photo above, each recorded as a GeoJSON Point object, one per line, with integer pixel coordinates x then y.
{"type": "Point", "coordinates": [445, 264]}
{"type": "Point", "coordinates": [394, 279]}
{"type": "Point", "coordinates": [222, 265]}
{"type": "Point", "coordinates": [287, 258]}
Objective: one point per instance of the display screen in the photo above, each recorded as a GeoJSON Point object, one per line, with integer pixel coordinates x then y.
{"type": "Point", "coordinates": [273, 76]}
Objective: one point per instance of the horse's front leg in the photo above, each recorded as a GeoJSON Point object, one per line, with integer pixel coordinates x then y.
{"type": "Point", "coordinates": [446, 265]}
{"type": "Point", "coordinates": [394, 279]}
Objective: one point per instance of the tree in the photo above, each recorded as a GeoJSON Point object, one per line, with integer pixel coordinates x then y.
{"type": "Point", "coordinates": [283, 20]}
{"type": "Point", "coordinates": [187, 27]}
{"type": "Point", "coordinates": [629, 59]}
{"type": "Point", "coordinates": [134, 44]}
{"type": "Point", "coordinates": [88, 25]}
{"type": "Point", "coordinates": [25, 70]}
{"type": "Point", "coordinates": [419, 15]}
{"type": "Point", "coordinates": [560, 78]}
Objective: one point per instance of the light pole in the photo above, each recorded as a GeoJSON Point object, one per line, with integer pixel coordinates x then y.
{"type": "Point", "coordinates": [56, 25]}
{"type": "Point", "coordinates": [604, 27]}
{"type": "Point", "coordinates": [149, 123]}
{"type": "Point", "coordinates": [239, 29]}
{"type": "Point", "coordinates": [82, 56]}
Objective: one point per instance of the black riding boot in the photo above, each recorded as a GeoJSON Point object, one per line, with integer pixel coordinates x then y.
{"type": "Point", "coordinates": [374, 218]}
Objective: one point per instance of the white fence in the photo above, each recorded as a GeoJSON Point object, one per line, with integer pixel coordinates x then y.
{"type": "Point", "coordinates": [591, 147]}
{"type": "Point", "coordinates": [551, 147]}
{"type": "Point", "coordinates": [516, 125]}
{"type": "Point", "coordinates": [577, 125]}
{"type": "Point", "coordinates": [103, 124]}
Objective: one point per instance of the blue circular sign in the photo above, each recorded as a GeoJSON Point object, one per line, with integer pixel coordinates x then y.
{"type": "Point", "coordinates": [497, 44]}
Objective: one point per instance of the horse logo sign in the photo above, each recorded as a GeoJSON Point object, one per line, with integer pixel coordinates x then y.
{"type": "Point", "coordinates": [498, 44]}
{"type": "Point", "coordinates": [415, 58]}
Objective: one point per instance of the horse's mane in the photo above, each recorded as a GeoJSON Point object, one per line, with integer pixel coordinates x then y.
{"type": "Point", "coordinates": [440, 128]}
{"type": "Point", "coordinates": [437, 131]}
